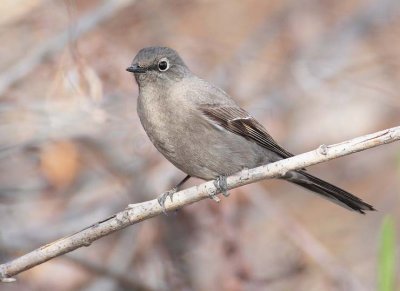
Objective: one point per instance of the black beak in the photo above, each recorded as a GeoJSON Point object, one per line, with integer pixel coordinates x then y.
{"type": "Point", "coordinates": [134, 68]}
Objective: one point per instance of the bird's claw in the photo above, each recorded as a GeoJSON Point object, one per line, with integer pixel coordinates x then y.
{"type": "Point", "coordinates": [222, 187]}
{"type": "Point", "coordinates": [163, 197]}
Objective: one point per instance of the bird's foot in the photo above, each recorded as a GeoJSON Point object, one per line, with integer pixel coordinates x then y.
{"type": "Point", "coordinates": [163, 197]}
{"type": "Point", "coordinates": [222, 186]}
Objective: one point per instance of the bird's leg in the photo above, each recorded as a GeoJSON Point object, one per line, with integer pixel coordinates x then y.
{"type": "Point", "coordinates": [170, 193]}
{"type": "Point", "coordinates": [221, 185]}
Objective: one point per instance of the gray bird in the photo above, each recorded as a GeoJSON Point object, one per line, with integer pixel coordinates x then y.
{"type": "Point", "coordinates": [203, 132]}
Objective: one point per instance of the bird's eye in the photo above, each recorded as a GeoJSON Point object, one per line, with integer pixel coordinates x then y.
{"type": "Point", "coordinates": [163, 65]}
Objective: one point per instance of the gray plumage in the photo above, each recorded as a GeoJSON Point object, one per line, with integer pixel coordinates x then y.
{"type": "Point", "coordinates": [203, 132]}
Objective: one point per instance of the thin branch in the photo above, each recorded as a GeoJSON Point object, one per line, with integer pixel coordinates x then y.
{"type": "Point", "coordinates": [51, 46]}
{"type": "Point", "coordinates": [148, 209]}
{"type": "Point", "coordinates": [341, 275]}
{"type": "Point", "coordinates": [121, 277]}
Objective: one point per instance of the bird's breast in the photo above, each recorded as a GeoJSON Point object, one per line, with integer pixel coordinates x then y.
{"type": "Point", "coordinates": [161, 119]}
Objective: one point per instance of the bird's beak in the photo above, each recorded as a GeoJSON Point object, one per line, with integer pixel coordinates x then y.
{"type": "Point", "coordinates": [134, 68]}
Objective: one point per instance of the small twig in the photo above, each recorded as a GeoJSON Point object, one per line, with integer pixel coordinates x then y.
{"type": "Point", "coordinates": [307, 243]}
{"type": "Point", "coordinates": [124, 278]}
{"type": "Point", "coordinates": [51, 46]}
{"type": "Point", "coordinates": [149, 209]}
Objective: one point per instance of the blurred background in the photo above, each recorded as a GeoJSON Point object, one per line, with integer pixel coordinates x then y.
{"type": "Point", "coordinates": [73, 152]}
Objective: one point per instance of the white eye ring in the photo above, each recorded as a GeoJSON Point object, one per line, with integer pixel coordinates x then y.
{"type": "Point", "coordinates": [163, 65]}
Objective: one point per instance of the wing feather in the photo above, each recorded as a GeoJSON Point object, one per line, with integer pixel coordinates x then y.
{"type": "Point", "coordinates": [239, 121]}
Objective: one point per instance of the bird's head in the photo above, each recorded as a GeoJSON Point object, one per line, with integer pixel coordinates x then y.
{"type": "Point", "coordinates": [157, 65]}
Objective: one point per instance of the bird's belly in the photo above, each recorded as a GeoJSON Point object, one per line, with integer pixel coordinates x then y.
{"type": "Point", "coordinates": [196, 147]}
{"type": "Point", "coordinates": [209, 153]}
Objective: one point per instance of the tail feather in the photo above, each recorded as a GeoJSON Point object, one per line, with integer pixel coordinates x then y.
{"type": "Point", "coordinates": [329, 191]}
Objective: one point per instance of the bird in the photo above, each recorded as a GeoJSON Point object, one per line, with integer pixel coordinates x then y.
{"type": "Point", "coordinates": [200, 129]}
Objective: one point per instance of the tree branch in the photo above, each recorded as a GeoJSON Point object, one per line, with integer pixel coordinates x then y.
{"type": "Point", "coordinates": [51, 46]}
{"type": "Point", "coordinates": [148, 209]}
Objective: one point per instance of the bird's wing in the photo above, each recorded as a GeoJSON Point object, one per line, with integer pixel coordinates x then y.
{"type": "Point", "coordinates": [239, 121]}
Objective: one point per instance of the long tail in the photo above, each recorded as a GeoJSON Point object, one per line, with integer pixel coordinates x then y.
{"type": "Point", "coordinates": [329, 191]}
